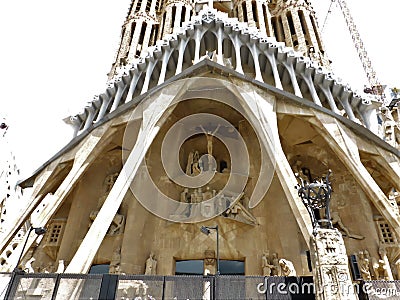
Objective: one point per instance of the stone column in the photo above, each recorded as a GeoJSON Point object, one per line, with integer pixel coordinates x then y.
{"type": "Point", "coordinates": [332, 279]}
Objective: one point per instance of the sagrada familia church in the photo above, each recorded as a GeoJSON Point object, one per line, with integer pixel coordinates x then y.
{"type": "Point", "coordinates": [223, 152]}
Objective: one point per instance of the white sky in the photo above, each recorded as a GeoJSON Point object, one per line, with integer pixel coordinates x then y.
{"type": "Point", "coordinates": [54, 57]}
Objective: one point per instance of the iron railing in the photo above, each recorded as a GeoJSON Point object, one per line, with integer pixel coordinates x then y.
{"type": "Point", "coordinates": [50, 286]}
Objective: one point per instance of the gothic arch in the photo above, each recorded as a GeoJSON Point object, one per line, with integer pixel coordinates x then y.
{"type": "Point", "coordinates": [208, 43]}
{"type": "Point", "coordinates": [171, 65]}
{"type": "Point", "coordinates": [189, 54]}
{"type": "Point", "coordinates": [266, 69]}
{"type": "Point", "coordinates": [247, 60]}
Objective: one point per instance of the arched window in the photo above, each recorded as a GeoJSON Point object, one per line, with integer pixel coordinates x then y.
{"type": "Point", "coordinates": [183, 15]}
{"type": "Point", "coordinates": [244, 9]}
{"type": "Point", "coordinates": [254, 10]}
{"type": "Point", "coordinates": [173, 17]}
{"type": "Point", "coordinates": [291, 24]}
{"type": "Point", "coordinates": [317, 35]}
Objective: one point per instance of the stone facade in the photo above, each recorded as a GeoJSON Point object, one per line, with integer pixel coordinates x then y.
{"type": "Point", "coordinates": [209, 127]}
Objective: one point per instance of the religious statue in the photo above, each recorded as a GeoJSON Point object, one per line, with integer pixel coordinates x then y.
{"type": "Point", "coordinates": [118, 221]}
{"type": "Point", "coordinates": [209, 136]}
{"type": "Point", "coordinates": [28, 265]}
{"type": "Point", "coordinates": [363, 264]}
{"type": "Point", "coordinates": [151, 265]}
{"type": "Point", "coordinates": [336, 220]}
{"type": "Point", "coordinates": [61, 266]}
{"type": "Point", "coordinates": [397, 264]}
{"type": "Point", "coordinates": [287, 267]}
{"type": "Point", "coordinates": [185, 197]}
{"type": "Point", "coordinates": [266, 266]}
{"type": "Point", "coordinates": [115, 262]}
{"type": "Point", "coordinates": [387, 271]}
{"type": "Point", "coordinates": [189, 164]}
{"type": "Point", "coordinates": [208, 194]}
{"type": "Point", "coordinates": [49, 268]}
{"type": "Point", "coordinates": [276, 271]}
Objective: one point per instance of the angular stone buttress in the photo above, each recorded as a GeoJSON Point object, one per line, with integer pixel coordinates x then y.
{"type": "Point", "coordinates": [247, 83]}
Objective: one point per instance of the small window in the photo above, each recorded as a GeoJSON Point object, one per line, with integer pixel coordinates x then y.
{"type": "Point", "coordinates": [189, 267]}
{"type": "Point", "coordinates": [99, 269]}
{"type": "Point", "coordinates": [231, 267]}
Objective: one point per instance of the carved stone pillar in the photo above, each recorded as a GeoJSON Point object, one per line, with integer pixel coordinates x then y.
{"type": "Point", "coordinates": [332, 279]}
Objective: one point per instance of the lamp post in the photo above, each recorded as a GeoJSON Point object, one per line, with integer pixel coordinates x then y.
{"type": "Point", "coordinates": [316, 194]}
{"type": "Point", "coordinates": [38, 231]}
{"type": "Point", "coordinates": [207, 230]}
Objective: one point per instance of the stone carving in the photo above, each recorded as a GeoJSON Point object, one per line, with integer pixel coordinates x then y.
{"type": "Point", "coordinates": [336, 220]}
{"type": "Point", "coordinates": [364, 265]}
{"type": "Point", "coordinates": [380, 270]}
{"type": "Point", "coordinates": [384, 265]}
{"type": "Point", "coordinates": [210, 136]}
{"type": "Point", "coordinates": [287, 267]}
{"type": "Point", "coordinates": [49, 268]}
{"type": "Point", "coordinates": [134, 289]}
{"type": "Point", "coordinates": [276, 271]}
{"type": "Point", "coordinates": [329, 245]}
{"type": "Point", "coordinates": [28, 265]}
{"type": "Point", "coordinates": [115, 262]}
{"type": "Point", "coordinates": [61, 266]}
{"type": "Point", "coordinates": [117, 225]}
{"type": "Point", "coordinates": [194, 164]}
{"type": "Point", "coordinates": [266, 266]}
{"type": "Point", "coordinates": [238, 212]}
{"type": "Point", "coordinates": [330, 266]}
{"type": "Point", "coordinates": [151, 265]}
{"type": "Point", "coordinates": [209, 262]}
{"type": "Point", "coordinates": [397, 264]}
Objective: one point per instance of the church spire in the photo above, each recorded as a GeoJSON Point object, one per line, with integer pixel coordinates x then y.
{"type": "Point", "coordinates": [139, 31]}
{"type": "Point", "coordinates": [295, 24]}
{"type": "Point", "coordinates": [290, 21]}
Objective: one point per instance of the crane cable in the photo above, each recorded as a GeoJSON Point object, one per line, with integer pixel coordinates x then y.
{"type": "Point", "coordinates": [327, 14]}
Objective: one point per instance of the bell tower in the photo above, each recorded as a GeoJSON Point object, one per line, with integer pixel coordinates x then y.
{"type": "Point", "coordinates": [294, 23]}
{"type": "Point", "coordinates": [139, 31]}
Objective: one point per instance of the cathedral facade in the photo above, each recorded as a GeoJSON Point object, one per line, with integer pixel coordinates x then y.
{"type": "Point", "coordinates": [188, 162]}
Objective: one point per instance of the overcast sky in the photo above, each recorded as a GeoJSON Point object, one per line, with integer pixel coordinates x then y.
{"type": "Point", "coordinates": [55, 55]}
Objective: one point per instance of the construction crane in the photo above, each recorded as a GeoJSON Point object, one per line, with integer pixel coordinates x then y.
{"type": "Point", "coordinates": [376, 87]}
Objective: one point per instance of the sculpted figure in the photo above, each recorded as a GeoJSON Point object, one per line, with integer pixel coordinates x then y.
{"type": "Point", "coordinates": [287, 267]}
{"type": "Point", "coordinates": [336, 220]}
{"type": "Point", "coordinates": [189, 163]}
{"type": "Point", "coordinates": [363, 263]}
{"type": "Point", "coordinates": [117, 225]}
{"type": "Point", "coordinates": [61, 266]}
{"type": "Point", "coordinates": [276, 271]}
{"type": "Point", "coordinates": [28, 266]}
{"type": "Point", "coordinates": [266, 266]}
{"type": "Point", "coordinates": [397, 264]}
{"type": "Point", "coordinates": [115, 261]}
{"type": "Point", "coordinates": [209, 136]}
{"type": "Point", "coordinates": [375, 267]}
{"type": "Point", "coordinates": [48, 269]}
{"type": "Point", "coordinates": [151, 265]}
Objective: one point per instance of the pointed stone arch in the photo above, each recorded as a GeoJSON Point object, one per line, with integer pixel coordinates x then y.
{"type": "Point", "coordinates": [189, 54]}
{"type": "Point", "coordinates": [208, 43]}
{"type": "Point", "coordinates": [247, 61]}
{"type": "Point", "coordinates": [266, 69]}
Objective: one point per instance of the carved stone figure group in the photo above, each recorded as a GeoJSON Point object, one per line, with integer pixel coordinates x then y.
{"type": "Point", "coordinates": [276, 267]}
{"type": "Point", "coordinates": [372, 268]}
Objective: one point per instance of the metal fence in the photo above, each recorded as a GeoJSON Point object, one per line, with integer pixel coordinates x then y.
{"type": "Point", "coordinates": [48, 286]}
{"type": "Point", "coordinates": [380, 289]}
